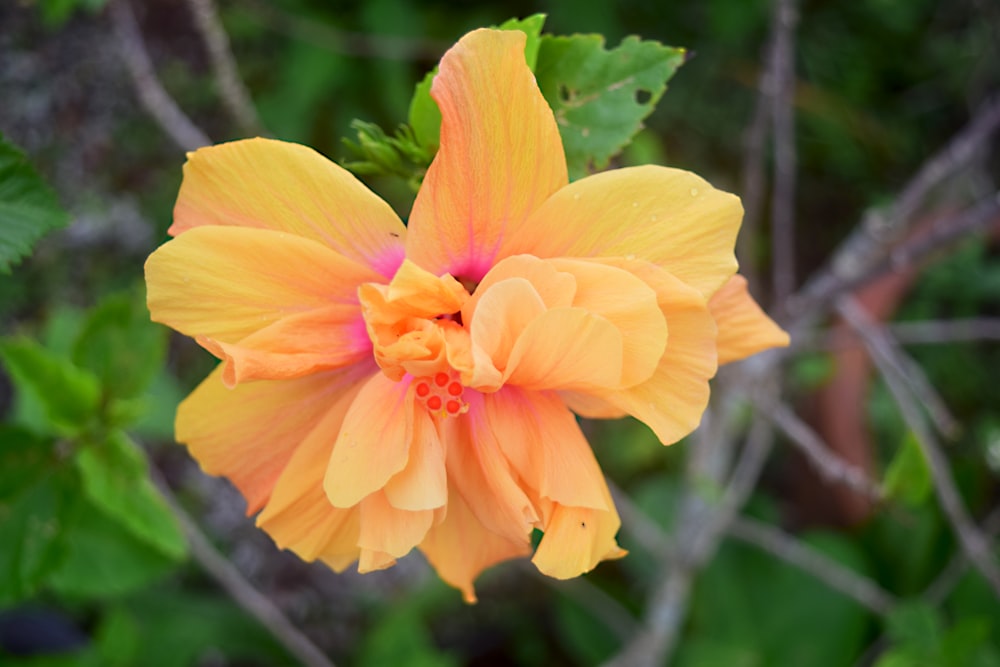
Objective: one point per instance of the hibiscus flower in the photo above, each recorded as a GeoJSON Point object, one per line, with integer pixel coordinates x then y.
{"type": "Point", "coordinates": [385, 387]}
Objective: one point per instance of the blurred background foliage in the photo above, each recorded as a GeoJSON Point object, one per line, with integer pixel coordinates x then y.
{"type": "Point", "coordinates": [94, 567]}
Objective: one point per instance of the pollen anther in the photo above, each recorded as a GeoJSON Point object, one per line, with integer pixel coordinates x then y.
{"type": "Point", "coordinates": [441, 394]}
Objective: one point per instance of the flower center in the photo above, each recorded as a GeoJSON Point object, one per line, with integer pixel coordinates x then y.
{"type": "Point", "coordinates": [441, 394]}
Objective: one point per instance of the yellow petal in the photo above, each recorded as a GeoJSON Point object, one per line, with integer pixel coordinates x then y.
{"type": "Point", "coordinates": [672, 401]}
{"type": "Point", "coordinates": [249, 433]}
{"type": "Point", "coordinates": [542, 440]}
{"type": "Point", "coordinates": [226, 283]}
{"type": "Point", "coordinates": [577, 539]}
{"type": "Point", "coordinates": [503, 311]}
{"type": "Point", "coordinates": [744, 328]}
{"type": "Point", "coordinates": [423, 483]}
{"type": "Point", "coordinates": [669, 217]}
{"type": "Point", "coordinates": [460, 547]}
{"type": "Point", "coordinates": [296, 345]}
{"type": "Point", "coordinates": [373, 443]}
{"type": "Point", "coordinates": [554, 288]}
{"type": "Point", "coordinates": [500, 156]}
{"type": "Point", "coordinates": [389, 530]}
{"type": "Point", "coordinates": [287, 187]}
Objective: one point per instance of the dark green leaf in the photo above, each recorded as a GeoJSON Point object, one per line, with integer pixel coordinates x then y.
{"type": "Point", "coordinates": [601, 97]}
{"type": "Point", "coordinates": [66, 396]}
{"type": "Point", "coordinates": [104, 560]}
{"type": "Point", "coordinates": [28, 207]}
{"type": "Point", "coordinates": [35, 503]}
{"type": "Point", "coordinates": [401, 638]}
{"type": "Point", "coordinates": [121, 346]}
{"type": "Point", "coordinates": [115, 479]}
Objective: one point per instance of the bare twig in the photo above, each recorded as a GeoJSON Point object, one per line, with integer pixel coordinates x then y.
{"type": "Point", "coordinates": [239, 589]}
{"type": "Point", "coordinates": [700, 527]}
{"type": "Point", "coordinates": [828, 464]}
{"type": "Point", "coordinates": [972, 541]}
{"type": "Point", "coordinates": [833, 574]}
{"type": "Point", "coordinates": [158, 104]}
{"type": "Point", "coordinates": [959, 563]}
{"type": "Point", "coordinates": [921, 332]}
{"type": "Point", "coordinates": [869, 244]}
{"type": "Point", "coordinates": [234, 94]}
{"type": "Point", "coordinates": [783, 195]}
{"type": "Point", "coordinates": [347, 43]}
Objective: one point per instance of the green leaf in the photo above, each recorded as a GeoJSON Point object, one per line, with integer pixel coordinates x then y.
{"type": "Point", "coordinates": [917, 625]}
{"type": "Point", "coordinates": [908, 478]}
{"type": "Point", "coordinates": [425, 117]}
{"type": "Point", "coordinates": [121, 346]}
{"type": "Point", "coordinates": [104, 560]}
{"type": "Point", "coordinates": [35, 503]}
{"type": "Point", "coordinates": [28, 207]}
{"type": "Point", "coordinates": [59, 398]}
{"type": "Point", "coordinates": [601, 97]}
{"type": "Point", "coordinates": [401, 638]}
{"type": "Point", "coordinates": [115, 479]}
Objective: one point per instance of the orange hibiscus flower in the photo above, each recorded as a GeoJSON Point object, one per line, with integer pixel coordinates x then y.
{"type": "Point", "coordinates": [385, 387]}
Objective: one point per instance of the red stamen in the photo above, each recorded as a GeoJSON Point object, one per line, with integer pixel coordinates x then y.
{"type": "Point", "coordinates": [423, 389]}
{"type": "Point", "coordinates": [455, 389]}
{"type": "Point", "coordinates": [434, 402]}
{"type": "Point", "coordinates": [441, 379]}
{"type": "Point", "coordinates": [453, 407]}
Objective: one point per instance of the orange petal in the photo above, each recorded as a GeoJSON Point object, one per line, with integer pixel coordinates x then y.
{"type": "Point", "coordinates": [503, 312]}
{"type": "Point", "coordinates": [553, 287]}
{"type": "Point", "coordinates": [460, 547]}
{"type": "Point", "coordinates": [500, 156]}
{"type": "Point", "coordinates": [567, 348]}
{"type": "Point", "coordinates": [669, 217]}
{"type": "Point", "coordinates": [373, 443]}
{"type": "Point", "coordinates": [591, 407]}
{"type": "Point", "coordinates": [481, 474]}
{"type": "Point", "coordinates": [298, 515]}
{"type": "Point", "coordinates": [423, 483]}
{"type": "Point", "coordinates": [226, 283]}
{"type": "Point", "coordinates": [672, 401]}
{"type": "Point", "coordinates": [542, 440]}
{"type": "Point", "coordinates": [249, 433]}
{"type": "Point", "coordinates": [291, 188]}
{"type": "Point", "coordinates": [302, 343]}
{"type": "Point", "coordinates": [744, 328]}
{"type": "Point", "coordinates": [388, 530]}
{"type": "Point", "coordinates": [630, 305]}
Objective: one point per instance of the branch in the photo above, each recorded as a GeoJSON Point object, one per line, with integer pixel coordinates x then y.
{"type": "Point", "coordinates": [959, 563]}
{"type": "Point", "coordinates": [158, 104]}
{"type": "Point", "coordinates": [869, 244]}
{"type": "Point", "coordinates": [234, 94]}
{"type": "Point", "coordinates": [829, 465]}
{"type": "Point", "coordinates": [252, 601]}
{"type": "Point", "coordinates": [783, 194]}
{"type": "Point", "coordinates": [921, 332]}
{"type": "Point", "coordinates": [833, 574]}
{"type": "Point", "coordinates": [973, 542]}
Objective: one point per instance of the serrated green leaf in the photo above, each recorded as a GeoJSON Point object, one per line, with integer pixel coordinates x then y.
{"type": "Point", "coordinates": [35, 504]}
{"type": "Point", "coordinates": [908, 478]}
{"type": "Point", "coordinates": [425, 117]}
{"type": "Point", "coordinates": [121, 346]}
{"type": "Point", "coordinates": [65, 396]}
{"type": "Point", "coordinates": [104, 560]}
{"type": "Point", "coordinates": [28, 207]}
{"type": "Point", "coordinates": [115, 479]}
{"type": "Point", "coordinates": [600, 97]}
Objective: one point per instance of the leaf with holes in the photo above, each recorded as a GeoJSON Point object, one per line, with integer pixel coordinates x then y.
{"type": "Point", "coordinates": [601, 97]}
{"type": "Point", "coordinates": [28, 208]}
